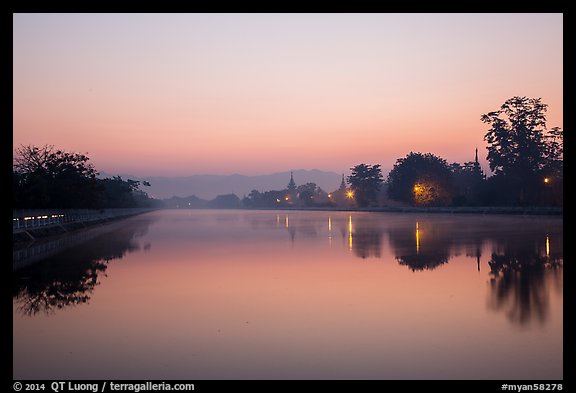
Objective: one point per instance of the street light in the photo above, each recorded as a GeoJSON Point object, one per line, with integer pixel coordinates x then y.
{"type": "Point", "coordinates": [350, 194]}
{"type": "Point", "coordinates": [546, 180]}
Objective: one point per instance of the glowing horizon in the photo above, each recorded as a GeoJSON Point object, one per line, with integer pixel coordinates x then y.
{"type": "Point", "coordinates": [183, 94]}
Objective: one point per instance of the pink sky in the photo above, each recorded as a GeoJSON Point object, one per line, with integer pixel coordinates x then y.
{"type": "Point", "coordinates": [183, 94]}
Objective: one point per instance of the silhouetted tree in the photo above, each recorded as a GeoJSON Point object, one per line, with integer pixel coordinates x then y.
{"type": "Point", "coordinates": [421, 179]}
{"type": "Point", "coordinates": [516, 136]}
{"type": "Point", "coordinates": [306, 193]}
{"type": "Point", "coordinates": [521, 149]}
{"type": "Point", "coordinates": [118, 192]}
{"type": "Point", "coordinates": [227, 201]}
{"type": "Point", "coordinates": [44, 177]}
{"type": "Point", "coordinates": [468, 181]}
{"type": "Point", "coordinates": [273, 198]}
{"type": "Point", "coordinates": [19, 191]}
{"type": "Point", "coordinates": [124, 193]}
{"type": "Point", "coordinates": [555, 151]}
{"type": "Point", "coordinates": [252, 199]}
{"type": "Point", "coordinates": [553, 170]}
{"type": "Point", "coordinates": [50, 178]}
{"type": "Point", "coordinates": [365, 182]}
{"type": "Point", "coordinates": [30, 158]}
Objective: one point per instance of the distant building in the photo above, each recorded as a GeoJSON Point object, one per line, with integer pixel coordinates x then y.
{"type": "Point", "coordinates": [291, 184]}
{"type": "Point", "coordinates": [468, 179]}
{"type": "Point", "coordinates": [291, 196]}
{"type": "Point", "coordinates": [343, 196]}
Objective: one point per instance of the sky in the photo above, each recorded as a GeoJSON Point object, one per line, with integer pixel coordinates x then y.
{"type": "Point", "coordinates": [184, 94]}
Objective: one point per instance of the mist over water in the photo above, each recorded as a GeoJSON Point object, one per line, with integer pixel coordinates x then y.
{"type": "Point", "coordinates": [216, 294]}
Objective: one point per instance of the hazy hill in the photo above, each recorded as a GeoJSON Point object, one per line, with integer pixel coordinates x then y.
{"type": "Point", "coordinates": [210, 186]}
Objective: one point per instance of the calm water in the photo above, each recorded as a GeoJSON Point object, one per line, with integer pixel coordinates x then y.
{"type": "Point", "coordinates": [304, 295]}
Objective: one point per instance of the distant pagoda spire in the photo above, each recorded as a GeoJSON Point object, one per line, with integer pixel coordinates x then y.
{"type": "Point", "coordinates": [477, 168]}
{"type": "Point", "coordinates": [342, 184]}
{"type": "Point", "coordinates": [291, 184]}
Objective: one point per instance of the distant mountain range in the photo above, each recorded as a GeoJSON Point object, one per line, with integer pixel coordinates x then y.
{"type": "Point", "coordinates": [210, 186]}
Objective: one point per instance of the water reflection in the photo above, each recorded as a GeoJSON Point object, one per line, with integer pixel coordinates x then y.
{"type": "Point", "coordinates": [298, 295]}
{"type": "Point", "coordinates": [523, 265]}
{"type": "Point", "coordinates": [521, 274]}
{"type": "Point", "coordinates": [367, 240]}
{"type": "Point", "coordinates": [425, 246]}
{"type": "Point", "coordinates": [69, 277]}
{"type": "Point", "coordinates": [521, 257]}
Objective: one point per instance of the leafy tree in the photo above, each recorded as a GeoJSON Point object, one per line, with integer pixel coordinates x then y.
{"type": "Point", "coordinates": [468, 181]}
{"type": "Point", "coordinates": [227, 201]}
{"type": "Point", "coordinates": [50, 178]}
{"type": "Point", "coordinates": [273, 198]}
{"type": "Point", "coordinates": [365, 182]}
{"type": "Point", "coordinates": [118, 192]}
{"type": "Point", "coordinates": [554, 164]}
{"type": "Point", "coordinates": [516, 136]}
{"type": "Point", "coordinates": [421, 180]}
{"type": "Point", "coordinates": [30, 159]}
{"type": "Point", "coordinates": [44, 177]}
{"type": "Point", "coordinates": [306, 193]}
{"type": "Point", "coordinates": [253, 199]}
{"type": "Point", "coordinates": [521, 149]}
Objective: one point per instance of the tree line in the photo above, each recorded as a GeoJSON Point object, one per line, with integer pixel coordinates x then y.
{"type": "Point", "coordinates": [526, 159]}
{"type": "Point", "coordinates": [49, 178]}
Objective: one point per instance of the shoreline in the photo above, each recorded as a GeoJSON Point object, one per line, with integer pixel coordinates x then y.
{"type": "Point", "coordinates": [32, 234]}
{"type": "Point", "coordinates": [509, 210]}
{"type": "Point", "coordinates": [547, 211]}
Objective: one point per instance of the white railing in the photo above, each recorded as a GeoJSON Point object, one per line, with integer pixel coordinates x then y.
{"type": "Point", "coordinates": [27, 219]}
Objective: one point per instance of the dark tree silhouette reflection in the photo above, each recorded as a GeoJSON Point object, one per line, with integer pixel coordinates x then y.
{"type": "Point", "coordinates": [45, 291]}
{"type": "Point", "coordinates": [367, 241]}
{"type": "Point", "coordinates": [424, 246]}
{"type": "Point", "coordinates": [521, 276]}
{"type": "Point", "coordinates": [360, 234]}
{"type": "Point", "coordinates": [525, 254]}
{"type": "Point", "coordinates": [422, 262]}
{"type": "Point", "coordinates": [70, 277]}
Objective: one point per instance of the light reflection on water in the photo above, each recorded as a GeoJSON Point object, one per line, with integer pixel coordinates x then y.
{"type": "Point", "coordinates": [288, 294]}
